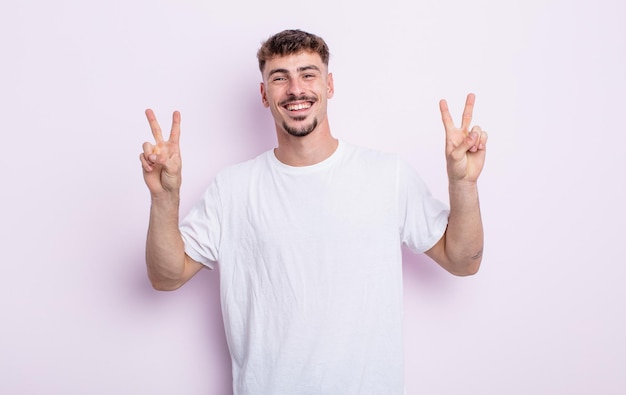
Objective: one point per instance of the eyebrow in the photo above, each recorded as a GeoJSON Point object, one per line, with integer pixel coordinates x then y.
{"type": "Point", "coordinates": [299, 69]}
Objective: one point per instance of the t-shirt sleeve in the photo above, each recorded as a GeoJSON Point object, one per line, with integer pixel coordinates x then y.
{"type": "Point", "coordinates": [201, 228]}
{"type": "Point", "coordinates": [423, 219]}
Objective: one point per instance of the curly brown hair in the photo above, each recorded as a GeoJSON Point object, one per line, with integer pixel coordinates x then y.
{"type": "Point", "coordinates": [289, 42]}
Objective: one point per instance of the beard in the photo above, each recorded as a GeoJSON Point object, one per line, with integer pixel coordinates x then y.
{"type": "Point", "coordinates": [302, 131]}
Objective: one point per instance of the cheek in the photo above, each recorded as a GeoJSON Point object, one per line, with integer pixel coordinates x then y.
{"type": "Point", "coordinates": [272, 95]}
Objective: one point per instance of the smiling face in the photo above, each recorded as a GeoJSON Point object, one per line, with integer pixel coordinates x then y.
{"type": "Point", "coordinates": [296, 89]}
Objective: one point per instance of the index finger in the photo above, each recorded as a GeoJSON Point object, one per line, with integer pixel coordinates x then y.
{"type": "Point", "coordinates": [154, 126]}
{"type": "Point", "coordinates": [468, 111]}
{"type": "Point", "coordinates": [448, 123]}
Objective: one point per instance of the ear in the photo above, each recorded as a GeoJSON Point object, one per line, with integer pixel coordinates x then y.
{"type": "Point", "coordinates": [264, 96]}
{"type": "Point", "coordinates": [330, 85]}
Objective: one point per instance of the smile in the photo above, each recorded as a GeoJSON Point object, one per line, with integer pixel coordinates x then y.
{"type": "Point", "coordinates": [298, 106]}
{"type": "Point", "coordinates": [300, 103]}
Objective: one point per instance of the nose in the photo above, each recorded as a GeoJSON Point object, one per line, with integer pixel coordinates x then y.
{"type": "Point", "coordinates": [295, 88]}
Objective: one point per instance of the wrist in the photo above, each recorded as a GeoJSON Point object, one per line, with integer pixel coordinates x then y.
{"type": "Point", "coordinates": [165, 198]}
{"type": "Point", "coordinates": [462, 185]}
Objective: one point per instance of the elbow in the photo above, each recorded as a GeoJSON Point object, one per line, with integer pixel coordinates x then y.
{"type": "Point", "coordinates": [472, 264]}
{"type": "Point", "coordinates": [467, 269]}
{"type": "Point", "coordinates": [160, 283]}
{"type": "Point", "coordinates": [165, 276]}
{"type": "Point", "coordinates": [467, 266]}
{"type": "Point", "coordinates": [164, 286]}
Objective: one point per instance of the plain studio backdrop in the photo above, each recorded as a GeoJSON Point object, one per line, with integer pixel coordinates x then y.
{"type": "Point", "coordinates": [545, 314]}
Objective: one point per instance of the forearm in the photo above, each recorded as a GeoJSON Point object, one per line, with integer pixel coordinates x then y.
{"type": "Point", "coordinates": [464, 235]}
{"type": "Point", "coordinates": [165, 255]}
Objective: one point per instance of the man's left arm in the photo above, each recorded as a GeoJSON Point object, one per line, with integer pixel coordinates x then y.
{"type": "Point", "coordinates": [460, 249]}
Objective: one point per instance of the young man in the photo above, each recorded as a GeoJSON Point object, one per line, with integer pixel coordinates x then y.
{"type": "Point", "coordinates": [308, 236]}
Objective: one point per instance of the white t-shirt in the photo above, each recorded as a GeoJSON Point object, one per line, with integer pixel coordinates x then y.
{"type": "Point", "coordinates": [311, 268]}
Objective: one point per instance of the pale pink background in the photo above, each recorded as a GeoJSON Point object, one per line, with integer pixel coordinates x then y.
{"type": "Point", "coordinates": [545, 315]}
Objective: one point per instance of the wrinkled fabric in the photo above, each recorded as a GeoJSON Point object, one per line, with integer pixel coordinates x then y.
{"type": "Point", "coordinates": [311, 268]}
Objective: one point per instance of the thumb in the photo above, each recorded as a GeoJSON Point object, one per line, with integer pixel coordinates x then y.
{"type": "Point", "coordinates": [470, 142]}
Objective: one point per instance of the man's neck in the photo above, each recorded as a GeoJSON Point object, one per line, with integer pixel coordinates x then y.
{"type": "Point", "coordinates": [305, 151]}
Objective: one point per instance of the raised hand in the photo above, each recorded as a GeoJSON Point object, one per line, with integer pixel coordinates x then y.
{"type": "Point", "coordinates": [465, 147]}
{"type": "Point", "coordinates": [161, 161]}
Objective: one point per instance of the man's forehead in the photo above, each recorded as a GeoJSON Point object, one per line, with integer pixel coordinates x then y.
{"type": "Point", "coordinates": [295, 62]}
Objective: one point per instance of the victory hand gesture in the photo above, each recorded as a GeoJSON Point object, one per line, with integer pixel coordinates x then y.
{"type": "Point", "coordinates": [161, 161]}
{"type": "Point", "coordinates": [465, 147]}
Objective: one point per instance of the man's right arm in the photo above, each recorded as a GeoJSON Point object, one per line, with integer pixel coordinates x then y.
{"type": "Point", "coordinates": [168, 265]}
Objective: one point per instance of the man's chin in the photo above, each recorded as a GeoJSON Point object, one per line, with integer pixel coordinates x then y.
{"type": "Point", "coordinates": [301, 130]}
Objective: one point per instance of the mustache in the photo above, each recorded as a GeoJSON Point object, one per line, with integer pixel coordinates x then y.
{"type": "Point", "coordinates": [296, 99]}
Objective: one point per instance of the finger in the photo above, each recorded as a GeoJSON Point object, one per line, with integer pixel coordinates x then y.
{"type": "Point", "coordinates": [470, 142]}
{"type": "Point", "coordinates": [482, 144]}
{"type": "Point", "coordinates": [175, 132]}
{"type": "Point", "coordinates": [154, 126]}
{"type": "Point", "coordinates": [468, 111]}
{"type": "Point", "coordinates": [145, 164]}
{"type": "Point", "coordinates": [475, 135]}
{"type": "Point", "coordinates": [448, 123]}
{"type": "Point", "coordinates": [150, 152]}
{"type": "Point", "coordinates": [481, 138]}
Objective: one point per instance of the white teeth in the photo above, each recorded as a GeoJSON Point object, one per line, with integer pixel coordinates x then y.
{"type": "Point", "coordinates": [295, 107]}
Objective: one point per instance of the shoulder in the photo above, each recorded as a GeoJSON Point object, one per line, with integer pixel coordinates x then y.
{"type": "Point", "coordinates": [243, 171]}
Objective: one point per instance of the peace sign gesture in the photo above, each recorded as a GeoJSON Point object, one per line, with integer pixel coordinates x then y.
{"type": "Point", "coordinates": [465, 147]}
{"type": "Point", "coordinates": [161, 161]}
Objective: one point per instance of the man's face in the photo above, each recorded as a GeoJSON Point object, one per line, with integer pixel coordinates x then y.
{"type": "Point", "coordinates": [296, 89]}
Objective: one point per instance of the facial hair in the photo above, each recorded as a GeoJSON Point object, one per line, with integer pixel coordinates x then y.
{"type": "Point", "coordinates": [303, 131]}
